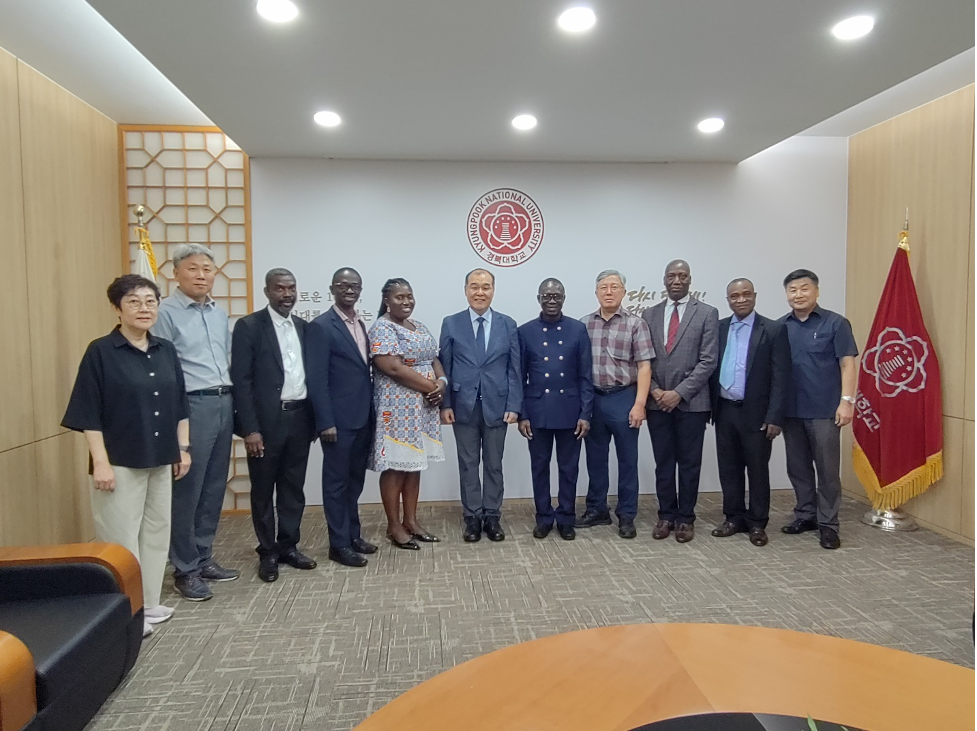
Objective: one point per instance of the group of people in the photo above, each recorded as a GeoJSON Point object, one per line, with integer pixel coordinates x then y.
{"type": "Point", "coordinates": [160, 396]}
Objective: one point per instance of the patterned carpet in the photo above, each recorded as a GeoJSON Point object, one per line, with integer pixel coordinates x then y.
{"type": "Point", "coordinates": [321, 650]}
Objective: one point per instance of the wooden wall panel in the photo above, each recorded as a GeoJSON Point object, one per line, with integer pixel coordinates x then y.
{"type": "Point", "coordinates": [61, 465]}
{"type": "Point", "coordinates": [71, 212]}
{"type": "Point", "coordinates": [16, 426]}
{"type": "Point", "coordinates": [924, 160]}
{"type": "Point", "coordinates": [20, 514]}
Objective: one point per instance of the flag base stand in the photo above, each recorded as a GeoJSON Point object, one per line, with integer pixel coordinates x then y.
{"type": "Point", "coordinates": [890, 520]}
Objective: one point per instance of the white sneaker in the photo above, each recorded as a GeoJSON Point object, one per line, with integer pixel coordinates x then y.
{"type": "Point", "coordinates": [157, 614]}
{"type": "Point", "coordinates": [147, 629]}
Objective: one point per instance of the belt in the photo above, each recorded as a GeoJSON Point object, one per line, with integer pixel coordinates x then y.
{"type": "Point", "coordinates": [730, 402]}
{"type": "Point", "coordinates": [610, 391]}
{"type": "Point", "coordinates": [293, 405]}
{"type": "Point", "coordinates": [219, 391]}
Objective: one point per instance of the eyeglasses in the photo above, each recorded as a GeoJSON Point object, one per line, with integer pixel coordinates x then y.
{"type": "Point", "coordinates": [551, 298]}
{"type": "Point", "coordinates": [347, 287]}
{"type": "Point", "coordinates": [138, 304]}
{"type": "Point", "coordinates": [610, 288]}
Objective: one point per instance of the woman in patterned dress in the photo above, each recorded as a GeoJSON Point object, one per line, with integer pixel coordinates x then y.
{"type": "Point", "coordinates": [407, 393]}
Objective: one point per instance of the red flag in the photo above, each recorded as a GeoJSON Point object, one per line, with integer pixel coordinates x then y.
{"type": "Point", "coordinates": [898, 426]}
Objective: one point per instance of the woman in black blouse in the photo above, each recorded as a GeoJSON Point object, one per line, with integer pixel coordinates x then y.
{"type": "Point", "coordinates": [130, 401]}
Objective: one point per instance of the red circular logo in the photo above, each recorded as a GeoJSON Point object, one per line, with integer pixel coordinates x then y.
{"type": "Point", "coordinates": [505, 227]}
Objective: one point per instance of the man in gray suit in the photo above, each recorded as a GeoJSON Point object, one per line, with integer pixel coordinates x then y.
{"type": "Point", "coordinates": [480, 356]}
{"type": "Point", "coordinates": [685, 336]}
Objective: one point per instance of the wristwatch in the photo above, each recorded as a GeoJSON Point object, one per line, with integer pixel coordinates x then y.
{"type": "Point", "coordinates": [849, 399]}
{"type": "Point", "coordinates": [185, 448]}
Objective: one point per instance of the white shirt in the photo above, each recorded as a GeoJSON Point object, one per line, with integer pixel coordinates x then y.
{"type": "Point", "coordinates": [288, 341]}
{"type": "Point", "coordinates": [488, 324]}
{"type": "Point", "coordinates": [673, 304]}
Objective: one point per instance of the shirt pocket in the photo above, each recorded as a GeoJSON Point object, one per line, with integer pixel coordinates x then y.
{"type": "Point", "coordinates": [619, 353]}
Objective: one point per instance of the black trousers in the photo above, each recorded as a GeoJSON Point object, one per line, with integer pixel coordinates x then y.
{"type": "Point", "coordinates": [277, 484]}
{"type": "Point", "coordinates": [343, 473]}
{"type": "Point", "coordinates": [676, 440]}
{"type": "Point", "coordinates": [742, 452]}
{"type": "Point", "coordinates": [568, 468]}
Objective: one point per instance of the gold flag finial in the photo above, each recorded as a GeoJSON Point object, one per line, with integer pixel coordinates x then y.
{"type": "Point", "coordinates": [904, 234]}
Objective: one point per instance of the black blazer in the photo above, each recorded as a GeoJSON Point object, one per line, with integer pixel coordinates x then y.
{"type": "Point", "coordinates": [767, 372]}
{"type": "Point", "coordinates": [339, 380]}
{"type": "Point", "coordinates": [258, 375]}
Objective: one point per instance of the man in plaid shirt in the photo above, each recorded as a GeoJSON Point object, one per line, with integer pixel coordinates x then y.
{"type": "Point", "coordinates": [622, 355]}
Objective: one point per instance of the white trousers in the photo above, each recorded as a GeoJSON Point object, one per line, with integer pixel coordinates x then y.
{"type": "Point", "coordinates": [136, 515]}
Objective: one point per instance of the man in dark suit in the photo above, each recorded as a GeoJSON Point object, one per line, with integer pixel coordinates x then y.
{"type": "Point", "coordinates": [340, 382]}
{"type": "Point", "coordinates": [480, 355]}
{"type": "Point", "coordinates": [274, 417]}
{"type": "Point", "coordinates": [558, 399]}
{"type": "Point", "coordinates": [684, 336]}
{"type": "Point", "coordinates": [748, 392]}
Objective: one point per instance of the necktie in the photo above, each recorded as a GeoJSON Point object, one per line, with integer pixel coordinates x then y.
{"type": "Point", "coordinates": [727, 371]}
{"type": "Point", "coordinates": [672, 329]}
{"type": "Point", "coordinates": [480, 339]}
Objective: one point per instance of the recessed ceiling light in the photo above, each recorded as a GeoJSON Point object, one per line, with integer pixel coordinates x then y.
{"type": "Point", "coordinates": [524, 121]}
{"type": "Point", "coordinates": [713, 124]}
{"type": "Point", "coordinates": [326, 119]}
{"type": "Point", "coordinates": [277, 11]}
{"type": "Point", "coordinates": [853, 28]}
{"type": "Point", "coordinates": [577, 20]}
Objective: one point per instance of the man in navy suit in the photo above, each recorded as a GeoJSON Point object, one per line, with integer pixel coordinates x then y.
{"type": "Point", "coordinates": [749, 394]}
{"type": "Point", "coordinates": [273, 416]}
{"type": "Point", "coordinates": [340, 385]}
{"type": "Point", "coordinates": [480, 355]}
{"type": "Point", "coordinates": [558, 399]}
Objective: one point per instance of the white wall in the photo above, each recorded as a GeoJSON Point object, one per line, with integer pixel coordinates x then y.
{"type": "Point", "coordinates": [780, 210]}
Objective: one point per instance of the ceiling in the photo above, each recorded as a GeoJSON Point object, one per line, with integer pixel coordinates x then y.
{"type": "Point", "coordinates": [440, 79]}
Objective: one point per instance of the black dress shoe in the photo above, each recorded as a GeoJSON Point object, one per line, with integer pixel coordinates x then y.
{"type": "Point", "coordinates": [268, 568]}
{"type": "Point", "coordinates": [298, 560]}
{"type": "Point", "coordinates": [425, 537]}
{"type": "Point", "coordinates": [591, 518]}
{"type": "Point", "coordinates": [493, 530]}
{"type": "Point", "coordinates": [410, 544]}
{"type": "Point", "coordinates": [362, 546]}
{"type": "Point", "coordinates": [625, 528]}
{"type": "Point", "coordinates": [541, 531]}
{"type": "Point", "coordinates": [566, 532]}
{"type": "Point", "coordinates": [830, 539]}
{"type": "Point", "coordinates": [758, 536]}
{"type": "Point", "coordinates": [799, 526]}
{"type": "Point", "coordinates": [347, 557]}
{"type": "Point", "coordinates": [727, 529]}
{"type": "Point", "coordinates": [473, 530]}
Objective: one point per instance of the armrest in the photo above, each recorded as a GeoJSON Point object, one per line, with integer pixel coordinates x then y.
{"type": "Point", "coordinates": [18, 684]}
{"type": "Point", "coordinates": [116, 559]}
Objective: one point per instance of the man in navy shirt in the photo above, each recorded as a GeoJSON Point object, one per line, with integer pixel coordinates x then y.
{"type": "Point", "coordinates": [820, 401]}
{"type": "Point", "coordinates": [558, 398]}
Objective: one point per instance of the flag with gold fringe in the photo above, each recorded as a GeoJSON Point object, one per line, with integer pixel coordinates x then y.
{"type": "Point", "coordinates": [898, 426]}
{"type": "Point", "coordinates": [145, 263]}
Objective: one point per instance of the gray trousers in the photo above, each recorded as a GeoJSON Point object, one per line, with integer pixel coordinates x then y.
{"type": "Point", "coordinates": [814, 445]}
{"type": "Point", "coordinates": [478, 442]}
{"type": "Point", "coordinates": [198, 497]}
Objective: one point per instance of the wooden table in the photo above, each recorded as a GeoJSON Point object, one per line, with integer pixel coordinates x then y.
{"type": "Point", "coordinates": [619, 678]}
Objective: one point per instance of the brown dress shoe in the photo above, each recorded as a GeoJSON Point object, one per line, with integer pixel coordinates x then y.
{"type": "Point", "coordinates": [684, 533]}
{"type": "Point", "coordinates": [662, 529]}
{"type": "Point", "coordinates": [758, 536]}
{"type": "Point", "coordinates": [726, 530]}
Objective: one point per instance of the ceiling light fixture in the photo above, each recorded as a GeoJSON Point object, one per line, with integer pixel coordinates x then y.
{"type": "Point", "coordinates": [277, 11]}
{"type": "Point", "coordinates": [577, 20]}
{"type": "Point", "coordinates": [713, 124]}
{"type": "Point", "coordinates": [327, 119]}
{"type": "Point", "coordinates": [852, 28]}
{"type": "Point", "coordinates": [524, 121]}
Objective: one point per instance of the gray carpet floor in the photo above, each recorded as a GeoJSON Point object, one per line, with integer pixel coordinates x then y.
{"type": "Point", "coordinates": [320, 650]}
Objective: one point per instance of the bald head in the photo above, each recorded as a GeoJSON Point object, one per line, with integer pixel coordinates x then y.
{"type": "Point", "coordinates": [551, 297]}
{"type": "Point", "coordinates": [678, 279]}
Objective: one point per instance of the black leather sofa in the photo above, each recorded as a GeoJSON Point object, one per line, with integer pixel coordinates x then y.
{"type": "Point", "coordinates": [71, 620]}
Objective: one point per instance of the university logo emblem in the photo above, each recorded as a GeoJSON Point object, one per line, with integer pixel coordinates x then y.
{"type": "Point", "coordinates": [505, 227]}
{"type": "Point", "coordinates": [896, 362]}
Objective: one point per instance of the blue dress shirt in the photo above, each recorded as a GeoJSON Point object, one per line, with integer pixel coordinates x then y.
{"type": "Point", "coordinates": [488, 324]}
{"type": "Point", "coordinates": [741, 330]}
{"type": "Point", "coordinates": [202, 337]}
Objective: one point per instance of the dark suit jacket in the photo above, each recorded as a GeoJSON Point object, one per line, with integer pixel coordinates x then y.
{"type": "Point", "coordinates": [767, 371]}
{"type": "Point", "coordinates": [686, 370]}
{"type": "Point", "coordinates": [257, 375]}
{"type": "Point", "coordinates": [340, 382]}
{"type": "Point", "coordinates": [499, 376]}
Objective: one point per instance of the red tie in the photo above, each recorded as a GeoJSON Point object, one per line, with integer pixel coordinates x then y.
{"type": "Point", "coordinates": [672, 330]}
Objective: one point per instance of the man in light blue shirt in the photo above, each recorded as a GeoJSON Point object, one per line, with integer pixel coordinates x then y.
{"type": "Point", "coordinates": [191, 319]}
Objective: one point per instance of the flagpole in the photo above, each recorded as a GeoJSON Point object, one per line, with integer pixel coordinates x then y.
{"type": "Point", "coordinates": [893, 520]}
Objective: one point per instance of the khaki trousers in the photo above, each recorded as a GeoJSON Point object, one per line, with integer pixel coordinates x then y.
{"type": "Point", "coordinates": [136, 515]}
